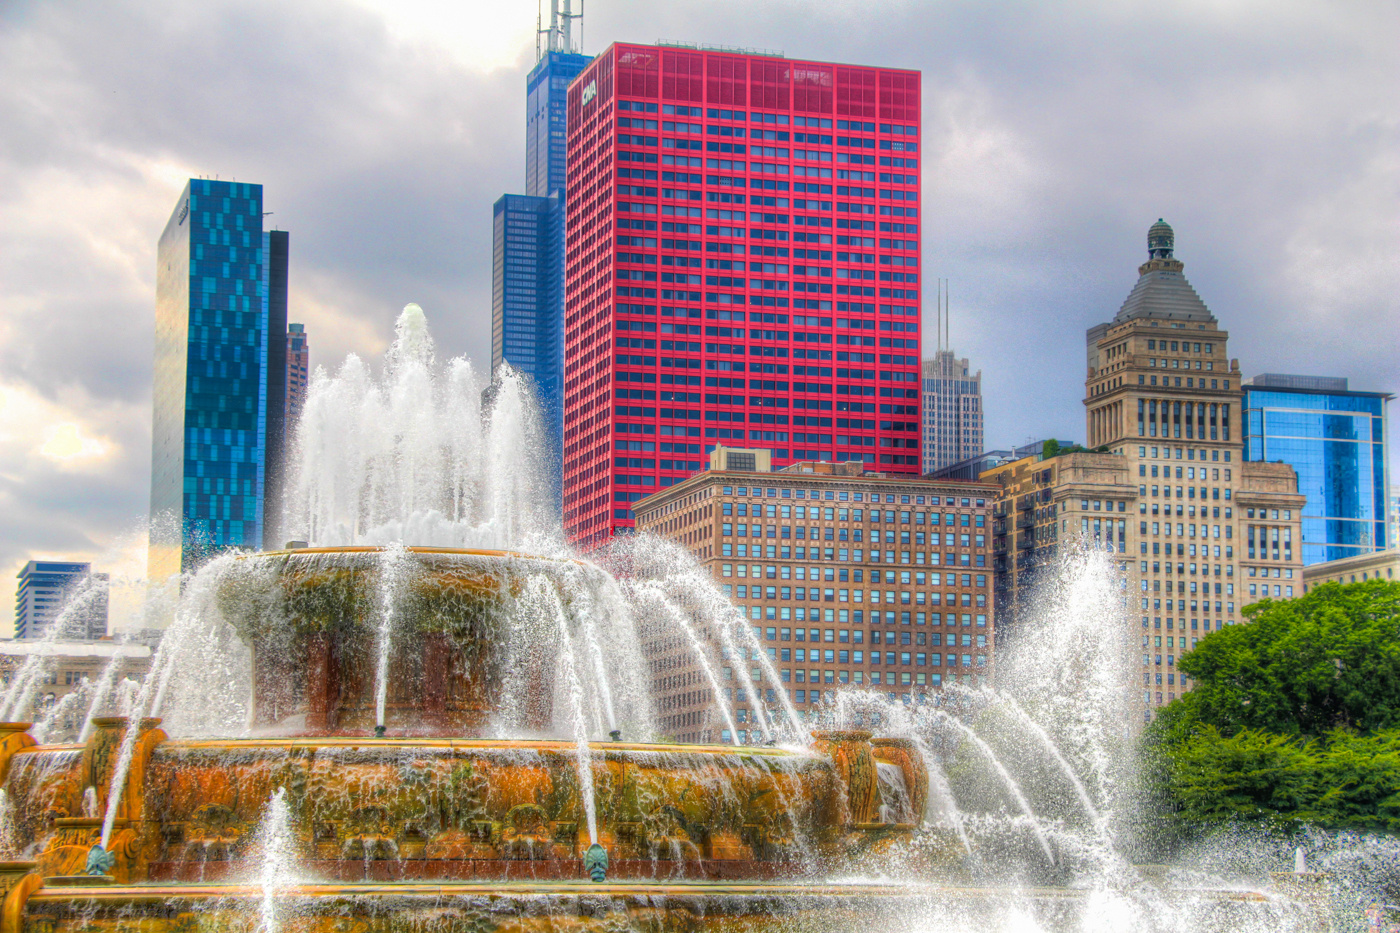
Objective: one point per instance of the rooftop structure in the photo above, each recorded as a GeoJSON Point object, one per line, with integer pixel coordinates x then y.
{"type": "Point", "coordinates": [1374, 565]}
{"type": "Point", "coordinates": [952, 411]}
{"type": "Point", "coordinates": [1164, 398]}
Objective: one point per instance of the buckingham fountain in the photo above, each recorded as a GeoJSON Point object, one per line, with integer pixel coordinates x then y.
{"type": "Point", "coordinates": [436, 717]}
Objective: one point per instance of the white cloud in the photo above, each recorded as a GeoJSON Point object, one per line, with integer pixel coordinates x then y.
{"type": "Point", "coordinates": [69, 446]}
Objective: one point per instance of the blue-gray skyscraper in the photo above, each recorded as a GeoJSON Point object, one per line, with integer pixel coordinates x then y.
{"type": "Point", "coordinates": [527, 277]}
{"type": "Point", "coordinates": [1336, 441]}
{"type": "Point", "coordinates": [52, 590]}
{"type": "Point", "coordinates": [220, 373]}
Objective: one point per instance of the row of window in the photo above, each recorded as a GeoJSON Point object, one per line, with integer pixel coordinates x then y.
{"type": "Point", "coordinates": [786, 532]}
{"type": "Point", "coordinates": [831, 595]}
{"type": "Point", "coordinates": [918, 678]}
{"type": "Point", "coordinates": [830, 513]}
{"type": "Point", "coordinates": [905, 577]}
{"type": "Point", "coordinates": [844, 555]}
{"type": "Point", "coordinates": [857, 617]}
{"type": "Point", "coordinates": [858, 656]}
{"type": "Point", "coordinates": [844, 496]}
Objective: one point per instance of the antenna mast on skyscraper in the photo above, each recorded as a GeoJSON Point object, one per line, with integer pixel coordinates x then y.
{"type": "Point", "coordinates": [559, 35]}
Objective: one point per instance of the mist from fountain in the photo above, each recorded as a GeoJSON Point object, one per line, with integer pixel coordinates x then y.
{"type": "Point", "coordinates": [1051, 749]}
{"type": "Point", "coordinates": [679, 619]}
{"type": "Point", "coordinates": [8, 839]}
{"type": "Point", "coordinates": [1011, 786]}
{"type": "Point", "coordinates": [61, 712]}
{"type": "Point", "coordinates": [573, 692]}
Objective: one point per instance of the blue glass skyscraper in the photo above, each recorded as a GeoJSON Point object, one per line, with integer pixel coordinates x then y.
{"type": "Point", "coordinates": [526, 289]}
{"type": "Point", "coordinates": [527, 280]}
{"type": "Point", "coordinates": [546, 93]}
{"type": "Point", "coordinates": [220, 358]}
{"type": "Point", "coordinates": [1336, 441]}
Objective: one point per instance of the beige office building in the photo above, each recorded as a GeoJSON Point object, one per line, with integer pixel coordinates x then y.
{"type": "Point", "coordinates": [63, 668]}
{"type": "Point", "coordinates": [1377, 565]}
{"type": "Point", "coordinates": [1198, 532]}
{"type": "Point", "coordinates": [849, 579]}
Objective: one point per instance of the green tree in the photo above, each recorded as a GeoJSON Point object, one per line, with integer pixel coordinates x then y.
{"type": "Point", "coordinates": [1327, 660]}
{"type": "Point", "coordinates": [1252, 775]}
{"type": "Point", "coordinates": [1342, 780]}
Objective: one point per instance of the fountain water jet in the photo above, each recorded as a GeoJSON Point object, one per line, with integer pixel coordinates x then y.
{"type": "Point", "coordinates": [276, 850]}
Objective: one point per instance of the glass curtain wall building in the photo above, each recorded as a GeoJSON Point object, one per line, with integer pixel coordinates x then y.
{"type": "Point", "coordinates": [1336, 441]}
{"type": "Point", "coordinates": [526, 292]}
{"type": "Point", "coordinates": [743, 270]}
{"type": "Point", "coordinates": [219, 381]}
{"type": "Point", "coordinates": [527, 285]}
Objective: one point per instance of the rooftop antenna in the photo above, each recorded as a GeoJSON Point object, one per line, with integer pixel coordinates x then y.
{"type": "Point", "coordinates": [938, 301]}
{"type": "Point", "coordinates": [559, 35]}
{"type": "Point", "coordinates": [947, 319]}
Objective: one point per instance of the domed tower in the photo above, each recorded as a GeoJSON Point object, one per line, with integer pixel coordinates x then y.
{"type": "Point", "coordinates": [1160, 240]}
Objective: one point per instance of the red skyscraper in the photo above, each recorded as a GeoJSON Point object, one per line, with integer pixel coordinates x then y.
{"type": "Point", "coordinates": [742, 269]}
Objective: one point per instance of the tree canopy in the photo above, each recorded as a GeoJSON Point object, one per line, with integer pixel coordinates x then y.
{"type": "Point", "coordinates": [1294, 717]}
{"type": "Point", "coordinates": [1327, 660]}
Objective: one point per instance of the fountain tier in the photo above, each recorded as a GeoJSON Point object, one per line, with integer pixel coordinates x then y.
{"type": "Point", "coordinates": [400, 809]}
{"type": "Point", "coordinates": [330, 628]}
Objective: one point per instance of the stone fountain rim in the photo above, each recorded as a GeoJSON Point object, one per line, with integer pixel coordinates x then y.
{"type": "Point", "coordinates": [563, 746]}
{"type": "Point", "coordinates": [164, 893]}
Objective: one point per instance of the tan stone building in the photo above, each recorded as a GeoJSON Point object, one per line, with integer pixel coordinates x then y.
{"type": "Point", "coordinates": [1199, 532]}
{"type": "Point", "coordinates": [66, 664]}
{"type": "Point", "coordinates": [848, 579]}
{"type": "Point", "coordinates": [1378, 565]}
{"type": "Point", "coordinates": [1041, 502]}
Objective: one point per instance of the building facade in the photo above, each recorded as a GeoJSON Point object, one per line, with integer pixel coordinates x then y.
{"type": "Point", "coordinates": [527, 283]}
{"type": "Point", "coordinates": [849, 579]}
{"type": "Point", "coordinates": [298, 379]}
{"type": "Point", "coordinates": [220, 376]}
{"type": "Point", "coordinates": [973, 467]}
{"type": "Point", "coordinates": [47, 587]}
{"type": "Point", "coordinates": [1394, 536]}
{"type": "Point", "coordinates": [742, 256]}
{"type": "Point", "coordinates": [1213, 531]}
{"type": "Point", "coordinates": [67, 664]}
{"type": "Point", "coordinates": [1373, 565]}
{"type": "Point", "coordinates": [1041, 502]}
{"type": "Point", "coordinates": [1336, 439]}
{"type": "Point", "coordinates": [952, 411]}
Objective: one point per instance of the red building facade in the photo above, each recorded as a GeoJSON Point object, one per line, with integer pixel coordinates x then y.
{"type": "Point", "coordinates": [742, 263]}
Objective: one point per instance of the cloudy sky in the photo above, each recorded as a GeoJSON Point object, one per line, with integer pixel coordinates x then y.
{"type": "Point", "coordinates": [1267, 133]}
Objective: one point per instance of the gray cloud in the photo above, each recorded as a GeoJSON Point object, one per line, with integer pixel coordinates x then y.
{"type": "Point", "coordinates": [1054, 135]}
